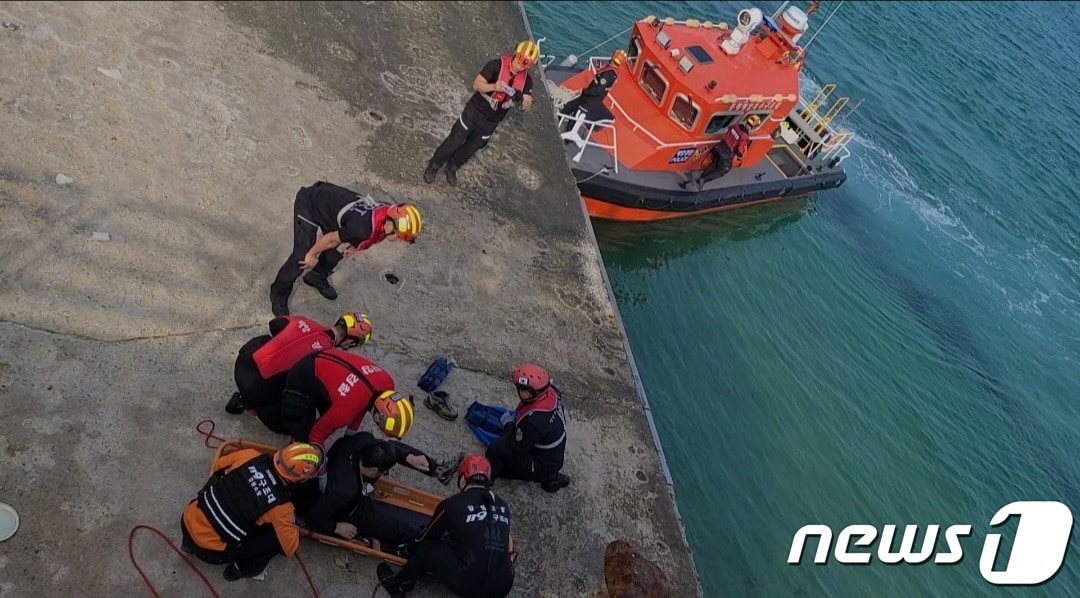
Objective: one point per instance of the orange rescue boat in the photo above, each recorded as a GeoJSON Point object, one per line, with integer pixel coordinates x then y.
{"type": "Point", "coordinates": [691, 97]}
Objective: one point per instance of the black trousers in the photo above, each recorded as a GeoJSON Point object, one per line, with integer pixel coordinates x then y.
{"type": "Point", "coordinates": [388, 524]}
{"type": "Point", "coordinates": [305, 233]}
{"type": "Point", "coordinates": [720, 165]}
{"type": "Point", "coordinates": [433, 557]}
{"type": "Point", "coordinates": [511, 465]}
{"type": "Point", "coordinates": [470, 133]}
{"type": "Point", "coordinates": [250, 557]}
{"type": "Point", "coordinates": [258, 394]}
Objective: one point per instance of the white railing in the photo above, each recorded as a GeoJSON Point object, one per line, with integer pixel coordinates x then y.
{"type": "Point", "coordinates": [835, 141]}
{"type": "Point", "coordinates": [574, 135]}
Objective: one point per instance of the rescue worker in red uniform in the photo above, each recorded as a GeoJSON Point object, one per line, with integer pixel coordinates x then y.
{"type": "Point", "coordinates": [733, 144]}
{"type": "Point", "coordinates": [500, 83]}
{"type": "Point", "coordinates": [467, 546]}
{"type": "Point", "coordinates": [591, 99]}
{"type": "Point", "coordinates": [533, 443]}
{"type": "Point", "coordinates": [332, 389]}
{"type": "Point", "coordinates": [326, 216]}
{"type": "Point", "coordinates": [263, 363]}
{"type": "Point", "coordinates": [244, 514]}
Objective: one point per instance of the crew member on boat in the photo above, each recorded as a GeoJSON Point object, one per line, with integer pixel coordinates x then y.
{"type": "Point", "coordinates": [591, 99]}
{"type": "Point", "coordinates": [500, 83]}
{"type": "Point", "coordinates": [733, 144]}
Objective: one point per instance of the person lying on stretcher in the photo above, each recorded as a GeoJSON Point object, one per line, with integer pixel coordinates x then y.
{"type": "Point", "coordinates": [345, 509]}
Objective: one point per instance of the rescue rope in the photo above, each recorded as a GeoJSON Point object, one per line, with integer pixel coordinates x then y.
{"type": "Point", "coordinates": [612, 38]}
{"type": "Point", "coordinates": [209, 434]}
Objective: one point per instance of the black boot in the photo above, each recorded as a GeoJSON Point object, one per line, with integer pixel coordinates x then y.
{"type": "Point", "coordinates": [430, 172]}
{"type": "Point", "coordinates": [279, 305]}
{"type": "Point", "coordinates": [556, 483]}
{"type": "Point", "coordinates": [451, 177]}
{"type": "Point", "coordinates": [321, 284]}
{"type": "Point", "coordinates": [388, 580]}
{"type": "Point", "coordinates": [235, 406]}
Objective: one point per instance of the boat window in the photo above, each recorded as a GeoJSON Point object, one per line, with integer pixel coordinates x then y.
{"type": "Point", "coordinates": [634, 50]}
{"type": "Point", "coordinates": [653, 82]}
{"type": "Point", "coordinates": [720, 122]}
{"type": "Point", "coordinates": [684, 112]}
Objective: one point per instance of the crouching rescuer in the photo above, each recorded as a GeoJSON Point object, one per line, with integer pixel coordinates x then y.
{"type": "Point", "coordinates": [244, 514]}
{"type": "Point", "coordinates": [533, 442]}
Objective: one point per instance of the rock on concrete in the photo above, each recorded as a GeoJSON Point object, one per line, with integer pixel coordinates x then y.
{"type": "Point", "coordinates": [187, 129]}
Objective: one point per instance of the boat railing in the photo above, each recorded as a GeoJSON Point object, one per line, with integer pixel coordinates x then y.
{"type": "Point", "coordinates": [819, 137]}
{"type": "Point", "coordinates": [575, 124]}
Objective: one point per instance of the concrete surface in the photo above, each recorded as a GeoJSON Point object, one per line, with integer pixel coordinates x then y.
{"type": "Point", "coordinates": [186, 129]}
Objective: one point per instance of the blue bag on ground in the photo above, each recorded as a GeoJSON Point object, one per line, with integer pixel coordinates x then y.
{"type": "Point", "coordinates": [435, 374]}
{"type": "Point", "coordinates": [483, 420]}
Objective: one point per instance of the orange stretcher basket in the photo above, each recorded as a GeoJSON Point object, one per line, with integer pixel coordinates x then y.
{"type": "Point", "coordinates": [387, 491]}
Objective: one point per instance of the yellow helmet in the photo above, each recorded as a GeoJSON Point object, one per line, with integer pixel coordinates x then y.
{"type": "Point", "coordinates": [527, 53]}
{"type": "Point", "coordinates": [753, 121]}
{"type": "Point", "coordinates": [396, 413]}
{"type": "Point", "coordinates": [618, 57]}
{"type": "Point", "coordinates": [298, 462]}
{"type": "Point", "coordinates": [407, 221]}
{"type": "Point", "coordinates": [357, 327]}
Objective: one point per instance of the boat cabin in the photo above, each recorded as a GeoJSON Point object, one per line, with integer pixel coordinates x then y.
{"type": "Point", "coordinates": [686, 83]}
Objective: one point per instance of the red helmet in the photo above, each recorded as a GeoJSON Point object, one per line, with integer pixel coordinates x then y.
{"type": "Point", "coordinates": [530, 376]}
{"type": "Point", "coordinates": [476, 469]}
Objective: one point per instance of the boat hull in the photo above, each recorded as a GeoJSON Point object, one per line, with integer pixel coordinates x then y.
{"type": "Point", "coordinates": [612, 199]}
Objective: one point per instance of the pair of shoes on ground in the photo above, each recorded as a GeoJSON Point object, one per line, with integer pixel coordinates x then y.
{"type": "Point", "coordinates": [444, 472]}
{"type": "Point", "coordinates": [439, 402]}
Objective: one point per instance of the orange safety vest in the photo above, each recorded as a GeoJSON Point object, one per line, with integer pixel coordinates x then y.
{"type": "Point", "coordinates": [500, 99]}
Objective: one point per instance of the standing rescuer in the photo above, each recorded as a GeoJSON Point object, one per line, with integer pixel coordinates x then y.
{"type": "Point", "coordinates": [498, 85]}
{"type": "Point", "coordinates": [326, 216]}
{"type": "Point", "coordinates": [244, 514]}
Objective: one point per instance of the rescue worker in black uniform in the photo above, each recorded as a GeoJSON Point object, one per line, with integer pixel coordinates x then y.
{"type": "Point", "coordinates": [244, 514]}
{"type": "Point", "coordinates": [263, 363]}
{"type": "Point", "coordinates": [476, 558]}
{"type": "Point", "coordinates": [354, 463]}
{"type": "Point", "coordinates": [326, 216]}
{"type": "Point", "coordinates": [533, 442]}
{"type": "Point", "coordinates": [732, 145]}
{"type": "Point", "coordinates": [500, 83]}
{"type": "Point", "coordinates": [591, 99]}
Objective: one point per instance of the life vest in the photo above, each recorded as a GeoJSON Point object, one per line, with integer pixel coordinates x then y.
{"type": "Point", "coordinates": [499, 100]}
{"type": "Point", "coordinates": [737, 139]}
{"type": "Point", "coordinates": [234, 502]}
{"type": "Point", "coordinates": [341, 373]}
{"type": "Point", "coordinates": [548, 417]}
{"type": "Point", "coordinates": [299, 338]}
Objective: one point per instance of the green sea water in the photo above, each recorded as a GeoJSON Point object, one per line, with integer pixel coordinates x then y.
{"type": "Point", "coordinates": [901, 350]}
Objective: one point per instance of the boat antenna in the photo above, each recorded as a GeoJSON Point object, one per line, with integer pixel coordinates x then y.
{"type": "Point", "coordinates": [822, 28]}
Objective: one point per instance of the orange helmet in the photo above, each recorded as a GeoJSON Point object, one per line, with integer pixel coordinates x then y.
{"type": "Point", "coordinates": [357, 327]}
{"type": "Point", "coordinates": [530, 377]}
{"type": "Point", "coordinates": [475, 469]}
{"type": "Point", "coordinates": [527, 53]}
{"type": "Point", "coordinates": [619, 57]}
{"type": "Point", "coordinates": [298, 462]}
{"type": "Point", "coordinates": [396, 413]}
{"type": "Point", "coordinates": [407, 221]}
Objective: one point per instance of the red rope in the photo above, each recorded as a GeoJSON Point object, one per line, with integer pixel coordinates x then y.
{"type": "Point", "coordinates": [209, 434]}
{"type": "Point", "coordinates": [131, 555]}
